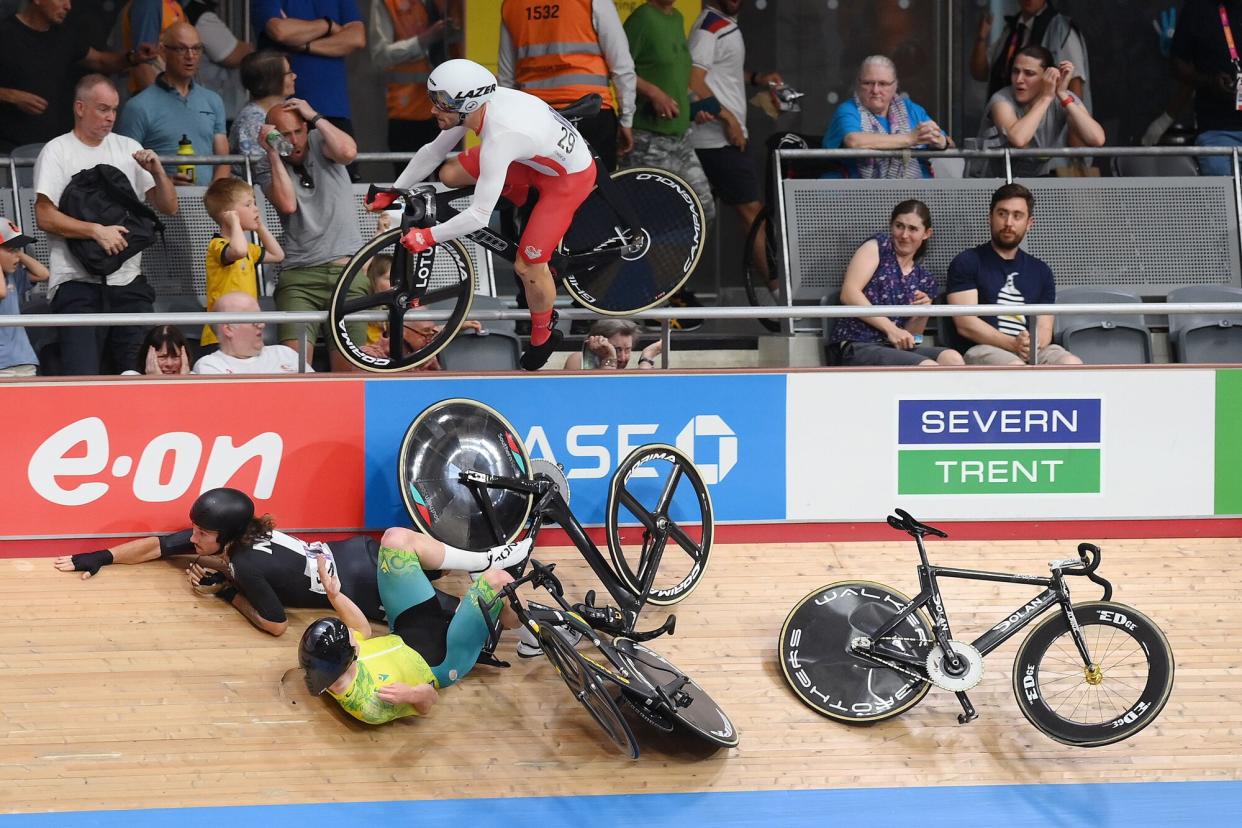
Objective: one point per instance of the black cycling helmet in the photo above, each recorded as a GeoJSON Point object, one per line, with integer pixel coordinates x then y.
{"type": "Point", "coordinates": [227, 511]}
{"type": "Point", "coordinates": [325, 653]}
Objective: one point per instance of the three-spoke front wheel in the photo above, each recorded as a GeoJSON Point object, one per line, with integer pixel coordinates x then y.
{"type": "Point", "coordinates": [440, 279]}
{"type": "Point", "coordinates": [659, 523]}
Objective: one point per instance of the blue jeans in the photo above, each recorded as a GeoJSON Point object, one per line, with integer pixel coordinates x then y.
{"type": "Point", "coordinates": [1217, 164]}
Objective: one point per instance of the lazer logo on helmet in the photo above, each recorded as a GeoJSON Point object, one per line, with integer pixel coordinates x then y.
{"type": "Point", "coordinates": [477, 92]}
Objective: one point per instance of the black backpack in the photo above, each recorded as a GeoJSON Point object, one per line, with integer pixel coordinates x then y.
{"type": "Point", "coordinates": [103, 195]}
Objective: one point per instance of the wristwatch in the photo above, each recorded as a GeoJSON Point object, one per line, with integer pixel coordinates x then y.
{"type": "Point", "coordinates": [642, 360]}
{"type": "Point", "coordinates": [313, 121]}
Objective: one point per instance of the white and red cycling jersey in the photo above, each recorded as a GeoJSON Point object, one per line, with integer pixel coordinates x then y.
{"type": "Point", "coordinates": [517, 129]}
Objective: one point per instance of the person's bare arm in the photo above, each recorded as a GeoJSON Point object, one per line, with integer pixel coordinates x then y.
{"type": "Point", "coordinates": [131, 552]}
{"type": "Point", "coordinates": [238, 245]}
{"type": "Point", "coordinates": [979, 65]}
{"type": "Point", "coordinates": [1043, 331]}
{"type": "Point", "coordinates": [163, 196]}
{"type": "Point", "coordinates": [220, 146]}
{"type": "Point", "coordinates": [235, 57]}
{"type": "Point", "coordinates": [353, 617]}
{"type": "Point", "coordinates": [974, 328]}
{"type": "Point", "coordinates": [295, 32]}
{"type": "Point", "coordinates": [345, 40]}
{"type": "Point", "coordinates": [35, 269]}
{"type": "Point", "coordinates": [248, 612]}
{"type": "Point", "coordinates": [421, 697]}
{"type": "Point", "coordinates": [279, 190]}
{"type": "Point", "coordinates": [338, 146]}
{"type": "Point", "coordinates": [51, 220]}
{"type": "Point", "coordinates": [1020, 131]}
{"type": "Point", "coordinates": [858, 274]}
{"type": "Point", "coordinates": [273, 253]}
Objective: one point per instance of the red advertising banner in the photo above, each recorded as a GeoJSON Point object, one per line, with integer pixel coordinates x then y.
{"type": "Point", "coordinates": [130, 457]}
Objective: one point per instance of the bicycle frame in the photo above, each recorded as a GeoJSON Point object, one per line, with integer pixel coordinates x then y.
{"type": "Point", "coordinates": [550, 504]}
{"type": "Point", "coordinates": [1056, 593]}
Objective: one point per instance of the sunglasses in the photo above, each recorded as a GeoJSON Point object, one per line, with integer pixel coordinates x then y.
{"type": "Point", "coordinates": [305, 180]}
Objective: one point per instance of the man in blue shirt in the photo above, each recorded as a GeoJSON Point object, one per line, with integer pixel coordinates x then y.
{"type": "Point", "coordinates": [176, 106]}
{"type": "Point", "coordinates": [1001, 273]}
{"type": "Point", "coordinates": [877, 117]}
{"type": "Point", "coordinates": [315, 35]}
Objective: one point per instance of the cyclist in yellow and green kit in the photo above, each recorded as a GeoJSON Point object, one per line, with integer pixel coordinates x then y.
{"type": "Point", "coordinates": [378, 679]}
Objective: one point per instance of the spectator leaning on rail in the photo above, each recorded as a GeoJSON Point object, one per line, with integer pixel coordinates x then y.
{"type": "Point", "coordinates": [176, 107]}
{"type": "Point", "coordinates": [882, 118]}
{"type": "Point", "coordinates": [1205, 57]}
{"type": "Point", "coordinates": [40, 60]}
{"type": "Point", "coordinates": [311, 192]}
{"type": "Point", "coordinates": [1001, 273]}
{"type": "Point", "coordinates": [317, 35]}
{"type": "Point", "coordinates": [241, 344]}
{"type": "Point", "coordinates": [1037, 23]}
{"type": "Point", "coordinates": [885, 270]}
{"type": "Point", "coordinates": [406, 41]}
{"type": "Point", "coordinates": [657, 38]}
{"type": "Point", "coordinates": [1037, 111]}
{"type": "Point", "coordinates": [609, 346]}
{"type": "Point", "coordinates": [73, 290]}
{"type": "Point", "coordinates": [17, 270]}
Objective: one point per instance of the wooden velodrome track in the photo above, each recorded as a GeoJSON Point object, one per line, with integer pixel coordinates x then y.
{"type": "Point", "coordinates": [128, 692]}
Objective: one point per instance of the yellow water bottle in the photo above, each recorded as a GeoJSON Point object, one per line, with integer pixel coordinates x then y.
{"type": "Point", "coordinates": [184, 147]}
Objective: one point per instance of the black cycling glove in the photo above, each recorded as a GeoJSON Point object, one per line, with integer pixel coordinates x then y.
{"type": "Point", "coordinates": [92, 562]}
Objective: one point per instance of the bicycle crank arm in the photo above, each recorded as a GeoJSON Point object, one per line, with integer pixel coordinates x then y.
{"type": "Point", "coordinates": [668, 626]}
{"type": "Point", "coordinates": [868, 655]}
{"type": "Point", "coordinates": [968, 714]}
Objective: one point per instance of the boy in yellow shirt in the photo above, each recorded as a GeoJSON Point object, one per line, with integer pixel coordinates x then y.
{"type": "Point", "coordinates": [231, 258]}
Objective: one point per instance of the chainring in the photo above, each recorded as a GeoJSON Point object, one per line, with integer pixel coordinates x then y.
{"type": "Point", "coordinates": [554, 473]}
{"type": "Point", "coordinates": [957, 684]}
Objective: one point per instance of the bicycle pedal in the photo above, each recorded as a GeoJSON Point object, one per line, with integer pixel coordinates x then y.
{"type": "Point", "coordinates": [607, 619]}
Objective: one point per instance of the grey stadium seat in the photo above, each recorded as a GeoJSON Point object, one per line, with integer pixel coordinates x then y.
{"type": "Point", "coordinates": [1160, 166]}
{"type": "Point", "coordinates": [182, 304]}
{"type": "Point", "coordinates": [1103, 339]}
{"type": "Point", "coordinates": [1206, 337]}
{"type": "Point", "coordinates": [488, 351]}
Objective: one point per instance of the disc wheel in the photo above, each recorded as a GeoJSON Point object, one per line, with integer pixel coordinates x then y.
{"type": "Point", "coordinates": [588, 690]}
{"type": "Point", "coordinates": [655, 266]}
{"type": "Point", "coordinates": [757, 278]}
{"type": "Point", "coordinates": [1087, 706]}
{"type": "Point", "coordinates": [698, 714]}
{"type": "Point", "coordinates": [828, 677]}
{"type": "Point", "coordinates": [659, 519]}
{"type": "Point", "coordinates": [450, 437]}
{"type": "Point", "coordinates": [445, 275]}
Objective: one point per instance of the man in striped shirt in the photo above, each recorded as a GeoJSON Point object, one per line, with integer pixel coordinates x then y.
{"type": "Point", "coordinates": [1001, 273]}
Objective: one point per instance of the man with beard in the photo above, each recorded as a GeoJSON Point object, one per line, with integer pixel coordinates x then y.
{"type": "Point", "coordinates": [1001, 273]}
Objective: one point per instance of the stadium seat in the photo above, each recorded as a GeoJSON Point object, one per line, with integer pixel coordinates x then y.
{"type": "Point", "coordinates": [1140, 166]}
{"type": "Point", "coordinates": [44, 341]}
{"type": "Point", "coordinates": [1103, 339]}
{"type": "Point", "coordinates": [488, 351]}
{"type": "Point", "coordinates": [1206, 337]}
{"type": "Point", "coordinates": [268, 303]}
{"type": "Point", "coordinates": [829, 322]}
{"type": "Point", "coordinates": [25, 175]}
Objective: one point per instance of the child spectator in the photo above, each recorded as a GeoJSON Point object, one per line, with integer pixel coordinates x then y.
{"type": "Point", "coordinates": [231, 258]}
{"type": "Point", "coordinates": [378, 273]}
{"type": "Point", "coordinates": [17, 358]}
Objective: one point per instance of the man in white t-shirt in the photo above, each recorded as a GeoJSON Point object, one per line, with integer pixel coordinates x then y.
{"type": "Point", "coordinates": [241, 344]}
{"type": "Point", "coordinates": [88, 350]}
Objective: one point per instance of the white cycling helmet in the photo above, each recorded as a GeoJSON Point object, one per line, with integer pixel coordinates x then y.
{"type": "Point", "coordinates": [460, 86]}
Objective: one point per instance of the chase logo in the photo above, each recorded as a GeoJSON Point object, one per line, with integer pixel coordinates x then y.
{"type": "Point", "coordinates": [705, 429]}
{"type": "Point", "coordinates": [1030, 446]}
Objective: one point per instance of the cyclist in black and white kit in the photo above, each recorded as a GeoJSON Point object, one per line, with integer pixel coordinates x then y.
{"type": "Point", "coordinates": [259, 571]}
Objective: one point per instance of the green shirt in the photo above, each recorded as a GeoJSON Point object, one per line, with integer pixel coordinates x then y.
{"type": "Point", "coordinates": [382, 661]}
{"type": "Point", "coordinates": [661, 57]}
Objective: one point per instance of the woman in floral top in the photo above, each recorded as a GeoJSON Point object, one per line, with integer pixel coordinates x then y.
{"type": "Point", "coordinates": [885, 270]}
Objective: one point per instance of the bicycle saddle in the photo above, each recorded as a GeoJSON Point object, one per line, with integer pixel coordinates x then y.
{"type": "Point", "coordinates": [903, 521]}
{"type": "Point", "coordinates": [584, 107]}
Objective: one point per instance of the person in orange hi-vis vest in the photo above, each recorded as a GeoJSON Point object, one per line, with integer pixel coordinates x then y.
{"type": "Point", "coordinates": [407, 39]}
{"type": "Point", "coordinates": [143, 21]}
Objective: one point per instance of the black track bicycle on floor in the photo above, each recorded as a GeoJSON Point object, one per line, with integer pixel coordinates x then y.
{"type": "Point", "coordinates": [468, 481]}
{"type": "Point", "coordinates": [632, 244]}
{"type": "Point", "coordinates": [1092, 674]}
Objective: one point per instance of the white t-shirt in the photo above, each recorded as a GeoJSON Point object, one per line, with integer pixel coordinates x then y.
{"type": "Point", "coordinates": [716, 46]}
{"type": "Point", "coordinates": [61, 158]}
{"type": "Point", "coordinates": [273, 359]}
{"type": "Point", "coordinates": [517, 127]}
